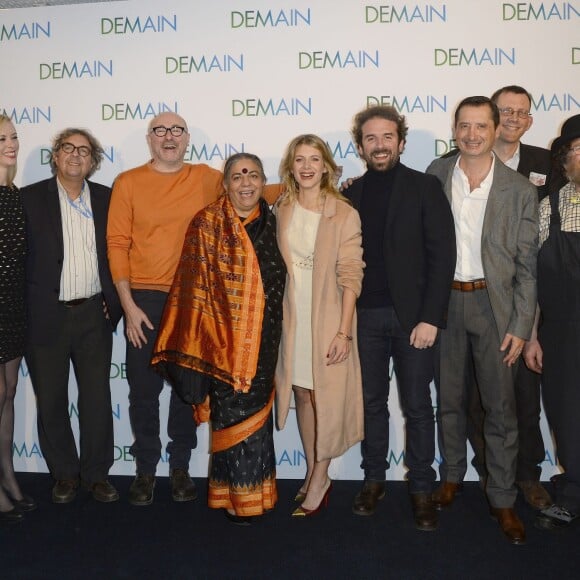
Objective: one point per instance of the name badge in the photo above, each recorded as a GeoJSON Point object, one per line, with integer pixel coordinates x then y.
{"type": "Point", "coordinates": [538, 179]}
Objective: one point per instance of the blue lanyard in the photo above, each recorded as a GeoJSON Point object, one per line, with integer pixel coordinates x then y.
{"type": "Point", "coordinates": [82, 207]}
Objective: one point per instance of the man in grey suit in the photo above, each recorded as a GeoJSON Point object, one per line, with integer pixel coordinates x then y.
{"type": "Point", "coordinates": [491, 310]}
{"type": "Point", "coordinates": [514, 104]}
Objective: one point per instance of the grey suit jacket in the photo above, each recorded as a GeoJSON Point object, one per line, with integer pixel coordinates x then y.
{"type": "Point", "coordinates": [509, 245]}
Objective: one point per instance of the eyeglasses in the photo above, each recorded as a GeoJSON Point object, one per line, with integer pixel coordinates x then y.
{"type": "Point", "coordinates": [508, 112]}
{"type": "Point", "coordinates": [175, 130]}
{"type": "Point", "coordinates": [574, 150]}
{"type": "Point", "coordinates": [82, 150]}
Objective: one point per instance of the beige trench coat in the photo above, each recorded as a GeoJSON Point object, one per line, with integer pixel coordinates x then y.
{"type": "Point", "coordinates": [338, 388]}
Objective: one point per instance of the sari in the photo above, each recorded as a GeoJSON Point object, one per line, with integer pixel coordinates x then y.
{"type": "Point", "coordinates": [220, 331]}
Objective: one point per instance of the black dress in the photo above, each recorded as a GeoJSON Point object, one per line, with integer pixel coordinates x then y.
{"type": "Point", "coordinates": [12, 256]}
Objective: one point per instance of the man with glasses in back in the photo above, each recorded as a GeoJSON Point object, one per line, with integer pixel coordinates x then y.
{"type": "Point", "coordinates": [151, 207]}
{"type": "Point", "coordinates": [73, 309]}
{"type": "Point", "coordinates": [514, 104]}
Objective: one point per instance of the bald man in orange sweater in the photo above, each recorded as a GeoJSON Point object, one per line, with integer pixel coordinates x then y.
{"type": "Point", "coordinates": [151, 207]}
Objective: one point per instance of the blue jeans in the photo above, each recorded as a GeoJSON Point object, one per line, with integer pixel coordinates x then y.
{"type": "Point", "coordinates": [381, 337]}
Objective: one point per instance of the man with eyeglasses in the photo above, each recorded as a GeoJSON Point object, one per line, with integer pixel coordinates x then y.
{"type": "Point", "coordinates": [151, 207]}
{"type": "Point", "coordinates": [554, 347]}
{"type": "Point", "coordinates": [514, 104]}
{"type": "Point", "coordinates": [73, 309]}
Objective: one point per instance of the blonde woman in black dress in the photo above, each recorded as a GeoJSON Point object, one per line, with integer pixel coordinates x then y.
{"type": "Point", "coordinates": [12, 315]}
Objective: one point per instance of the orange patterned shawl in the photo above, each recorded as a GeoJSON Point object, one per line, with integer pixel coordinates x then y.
{"type": "Point", "coordinates": [213, 315]}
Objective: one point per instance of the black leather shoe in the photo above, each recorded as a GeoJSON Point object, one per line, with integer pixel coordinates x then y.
{"type": "Point", "coordinates": [102, 491]}
{"type": "Point", "coordinates": [12, 516]}
{"type": "Point", "coordinates": [182, 487]}
{"type": "Point", "coordinates": [424, 512]}
{"type": "Point", "coordinates": [365, 502]}
{"type": "Point", "coordinates": [64, 490]}
{"type": "Point", "coordinates": [141, 490]}
{"type": "Point", "coordinates": [26, 504]}
{"type": "Point", "coordinates": [238, 520]}
{"type": "Point", "coordinates": [556, 518]}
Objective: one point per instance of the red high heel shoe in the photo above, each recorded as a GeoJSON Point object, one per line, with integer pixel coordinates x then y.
{"type": "Point", "coordinates": [302, 512]}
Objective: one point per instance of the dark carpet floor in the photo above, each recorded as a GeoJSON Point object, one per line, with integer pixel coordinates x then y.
{"type": "Point", "coordinates": [167, 540]}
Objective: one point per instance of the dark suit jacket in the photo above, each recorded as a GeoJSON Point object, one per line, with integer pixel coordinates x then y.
{"type": "Point", "coordinates": [418, 246]}
{"type": "Point", "coordinates": [537, 160]}
{"type": "Point", "coordinates": [509, 245]}
{"type": "Point", "coordinates": [46, 252]}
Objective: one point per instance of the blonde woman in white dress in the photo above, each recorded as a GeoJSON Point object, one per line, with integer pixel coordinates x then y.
{"type": "Point", "coordinates": [319, 235]}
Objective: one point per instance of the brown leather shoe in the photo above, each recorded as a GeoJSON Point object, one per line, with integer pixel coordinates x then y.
{"type": "Point", "coordinates": [535, 494]}
{"type": "Point", "coordinates": [510, 525]}
{"type": "Point", "coordinates": [365, 502]}
{"type": "Point", "coordinates": [444, 495]}
{"type": "Point", "coordinates": [102, 491]}
{"type": "Point", "coordinates": [182, 486]}
{"type": "Point", "coordinates": [64, 490]}
{"type": "Point", "coordinates": [424, 512]}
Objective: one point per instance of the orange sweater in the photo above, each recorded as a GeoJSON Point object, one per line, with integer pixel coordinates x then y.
{"type": "Point", "coordinates": [148, 217]}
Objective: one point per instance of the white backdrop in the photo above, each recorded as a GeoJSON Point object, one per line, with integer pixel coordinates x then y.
{"type": "Point", "coordinates": [249, 76]}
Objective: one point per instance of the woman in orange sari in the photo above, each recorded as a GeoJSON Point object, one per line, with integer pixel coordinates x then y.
{"type": "Point", "coordinates": [220, 334]}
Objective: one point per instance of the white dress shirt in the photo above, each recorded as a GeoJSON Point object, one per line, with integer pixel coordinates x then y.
{"type": "Point", "coordinates": [468, 212]}
{"type": "Point", "coordinates": [514, 161]}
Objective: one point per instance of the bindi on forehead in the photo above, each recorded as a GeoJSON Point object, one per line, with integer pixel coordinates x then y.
{"type": "Point", "coordinates": [244, 170]}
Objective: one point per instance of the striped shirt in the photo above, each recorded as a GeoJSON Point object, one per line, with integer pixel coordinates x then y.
{"type": "Point", "coordinates": [80, 269]}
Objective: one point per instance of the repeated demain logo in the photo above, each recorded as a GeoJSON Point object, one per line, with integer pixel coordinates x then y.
{"type": "Point", "coordinates": [205, 63]}
{"type": "Point", "coordinates": [291, 457]}
{"type": "Point", "coordinates": [540, 11]}
{"type": "Point", "coordinates": [139, 24]}
{"type": "Point", "coordinates": [408, 13]}
{"type": "Point", "coordinates": [493, 56]}
{"type": "Point", "coordinates": [443, 146]}
{"type": "Point", "coordinates": [342, 59]}
{"type": "Point", "coordinates": [25, 31]}
{"type": "Point", "coordinates": [272, 107]}
{"type": "Point", "coordinates": [108, 157]}
{"type": "Point", "coordinates": [26, 450]}
{"type": "Point", "coordinates": [28, 115]}
{"type": "Point", "coordinates": [556, 102]}
{"type": "Point", "coordinates": [205, 152]}
{"type": "Point", "coordinates": [281, 18]}
{"type": "Point", "coordinates": [23, 368]}
{"type": "Point", "coordinates": [119, 369]}
{"type": "Point", "coordinates": [140, 110]}
{"type": "Point", "coordinates": [73, 411]}
{"type": "Point", "coordinates": [75, 69]}
{"type": "Point", "coordinates": [411, 103]}
{"type": "Point", "coordinates": [396, 458]}
{"type": "Point", "coordinates": [343, 149]}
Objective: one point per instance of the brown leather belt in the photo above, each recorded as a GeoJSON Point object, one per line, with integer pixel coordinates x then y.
{"type": "Point", "coordinates": [469, 286]}
{"type": "Point", "coordinates": [76, 301]}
